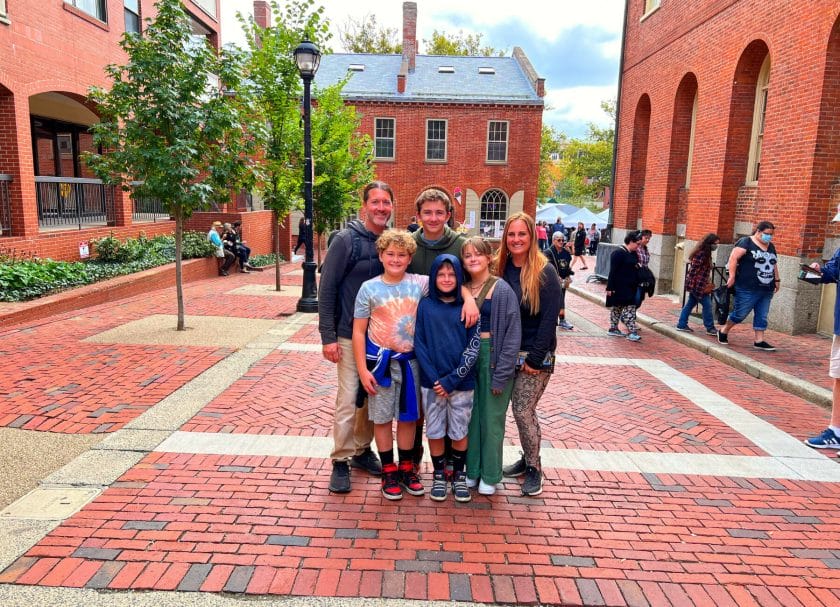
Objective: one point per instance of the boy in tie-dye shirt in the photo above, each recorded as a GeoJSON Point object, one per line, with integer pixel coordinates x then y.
{"type": "Point", "coordinates": [383, 347]}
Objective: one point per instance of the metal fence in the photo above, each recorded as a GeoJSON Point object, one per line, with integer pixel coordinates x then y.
{"type": "Point", "coordinates": [147, 208]}
{"type": "Point", "coordinates": [5, 206]}
{"type": "Point", "coordinates": [66, 201]}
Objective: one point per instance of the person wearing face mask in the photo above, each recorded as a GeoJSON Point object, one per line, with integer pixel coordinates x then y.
{"type": "Point", "coordinates": [754, 272]}
{"type": "Point", "coordinates": [698, 284]}
{"type": "Point", "coordinates": [830, 438]}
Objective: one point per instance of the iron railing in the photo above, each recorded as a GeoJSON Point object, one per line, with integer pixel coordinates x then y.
{"type": "Point", "coordinates": [718, 278]}
{"type": "Point", "coordinates": [147, 208]}
{"type": "Point", "coordinates": [5, 206]}
{"type": "Point", "coordinates": [67, 201]}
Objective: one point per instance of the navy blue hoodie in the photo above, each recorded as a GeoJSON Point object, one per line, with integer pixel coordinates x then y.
{"type": "Point", "coordinates": [446, 350]}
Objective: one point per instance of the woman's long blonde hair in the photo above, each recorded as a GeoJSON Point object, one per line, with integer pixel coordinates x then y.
{"type": "Point", "coordinates": [531, 276]}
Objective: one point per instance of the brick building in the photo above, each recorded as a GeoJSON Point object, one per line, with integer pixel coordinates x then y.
{"type": "Point", "coordinates": [728, 116]}
{"type": "Point", "coordinates": [51, 52]}
{"type": "Point", "coordinates": [471, 123]}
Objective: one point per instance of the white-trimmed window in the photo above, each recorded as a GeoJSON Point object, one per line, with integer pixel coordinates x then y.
{"type": "Point", "coordinates": [95, 8]}
{"type": "Point", "coordinates": [493, 214]}
{"type": "Point", "coordinates": [651, 5]}
{"type": "Point", "coordinates": [435, 140]}
{"type": "Point", "coordinates": [3, 8]}
{"type": "Point", "coordinates": [759, 114]}
{"type": "Point", "coordinates": [132, 16]}
{"type": "Point", "coordinates": [497, 141]}
{"type": "Point", "coordinates": [385, 135]}
{"type": "Point", "coordinates": [208, 6]}
{"type": "Point", "coordinates": [691, 143]}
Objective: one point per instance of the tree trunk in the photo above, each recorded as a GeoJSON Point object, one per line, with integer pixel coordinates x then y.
{"type": "Point", "coordinates": [278, 286]}
{"type": "Point", "coordinates": [179, 285]}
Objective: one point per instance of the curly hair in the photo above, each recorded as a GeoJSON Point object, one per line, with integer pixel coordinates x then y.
{"type": "Point", "coordinates": [401, 239]}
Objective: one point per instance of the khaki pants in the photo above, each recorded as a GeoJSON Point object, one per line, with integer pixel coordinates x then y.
{"type": "Point", "coordinates": [352, 431]}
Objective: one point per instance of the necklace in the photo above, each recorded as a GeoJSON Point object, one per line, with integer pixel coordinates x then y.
{"type": "Point", "coordinates": [477, 288]}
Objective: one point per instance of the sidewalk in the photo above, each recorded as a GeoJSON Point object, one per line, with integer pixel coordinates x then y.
{"type": "Point", "coordinates": [798, 366]}
{"type": "Point", "coordinates": [671, 478]}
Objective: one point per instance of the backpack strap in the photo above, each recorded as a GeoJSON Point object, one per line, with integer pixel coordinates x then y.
{"type": "Point", "coordinates": [482, 295]}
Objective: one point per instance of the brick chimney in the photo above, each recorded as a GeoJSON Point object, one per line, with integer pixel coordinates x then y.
{"type": "Point", "coordinates": [262, 13]}
{"type": "Point", "coordinates": [409, 52]}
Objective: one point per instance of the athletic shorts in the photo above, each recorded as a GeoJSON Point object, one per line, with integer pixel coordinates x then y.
{"type": "Point", "coordinates": [384, 406]}
{"type": "Point", "coordinates": [447, 416]}
{"type": "Point", "coordinates": [834, 361]}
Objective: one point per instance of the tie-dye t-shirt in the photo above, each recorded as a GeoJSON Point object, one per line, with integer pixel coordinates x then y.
{"type": "Point", "coordinates": [392, 310]}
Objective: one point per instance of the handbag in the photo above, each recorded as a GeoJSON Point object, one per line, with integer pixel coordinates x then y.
{"type": "Point", "coordinates": [547, 363]}
{"type": "Point", "coordinates": [708, 288]}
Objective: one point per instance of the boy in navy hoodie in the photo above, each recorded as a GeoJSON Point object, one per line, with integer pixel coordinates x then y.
{"type": "Point", "coordinates": [447, 353]}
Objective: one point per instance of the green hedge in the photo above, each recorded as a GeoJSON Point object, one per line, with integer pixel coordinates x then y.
{"type": "Point", "coordinates": [21, 280]}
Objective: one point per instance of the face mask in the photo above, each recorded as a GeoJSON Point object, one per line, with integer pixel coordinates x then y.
{"type": "Point", "coordinates": [714, 247]}
{"type": "Point", "coordinates": [766, 238]}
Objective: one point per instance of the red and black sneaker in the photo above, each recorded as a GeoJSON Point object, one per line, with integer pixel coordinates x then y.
{"type": "Point", "coordinates": [409, 479]}
{"type": "Point", "coordinates": [390, 482]}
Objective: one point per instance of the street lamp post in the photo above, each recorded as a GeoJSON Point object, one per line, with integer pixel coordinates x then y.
{"type": "Point", "coordinates": [307, 57]}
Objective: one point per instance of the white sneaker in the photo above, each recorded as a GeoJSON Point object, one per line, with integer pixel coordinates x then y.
{"type": "Point", "coordinates": [485, 489]}
{"type": "Point", "coordinates": [472, 483]}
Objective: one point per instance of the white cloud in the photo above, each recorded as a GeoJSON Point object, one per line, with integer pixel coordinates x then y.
{"type": "Point", "coordinates": [570, 109]}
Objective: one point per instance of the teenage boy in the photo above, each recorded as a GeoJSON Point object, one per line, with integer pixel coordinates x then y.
{"type": "Point", "coordinates": [434, 209]}
{"type": "Point", "coordinates": [559, 256]}
{"type": "Point", "coordinates": [447, 352]}
{"type": "Point", "coordinates": [383, 348]}
{"type": "Point", "coordinates": [351, 260]}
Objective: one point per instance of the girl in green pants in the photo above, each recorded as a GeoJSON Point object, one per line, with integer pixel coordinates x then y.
{"type": "Point", "coordinates": [500, 337]}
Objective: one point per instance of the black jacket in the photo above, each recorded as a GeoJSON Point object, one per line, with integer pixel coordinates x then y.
{"type": "Point", "coordinates": [340, 283]}
{"type": "Point", "coordinates": [623, 279]}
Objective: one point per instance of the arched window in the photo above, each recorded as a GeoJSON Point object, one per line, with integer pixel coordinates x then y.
{"type": "Point", "coordinates": [494, 210]}
{"type": "Point", "coordinates": [759, 112]}
{"type": "Point", "coordinates": [691, 143]}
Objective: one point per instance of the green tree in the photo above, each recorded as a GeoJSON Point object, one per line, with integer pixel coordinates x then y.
{"type": "Point", "coordinates": [367, 36]}
{"type": "Point", "coordinates": [343, 159]}
{"type": "Point", "coordinates": [587, 163]}
{"type": "Point", "coordinates": [275, 85]}
{"type": "Point", "coordinates": [551, 142]}
{"type": "Point", "coordinates": [166, 122]}
{"type": "Point", "coordinates": [443, 43]}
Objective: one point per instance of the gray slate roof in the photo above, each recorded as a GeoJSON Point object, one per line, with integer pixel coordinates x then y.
{"type": "Point", "coordinates": [378, 81]}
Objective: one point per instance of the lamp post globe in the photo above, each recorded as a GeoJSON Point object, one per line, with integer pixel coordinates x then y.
{"type": "Point", "coordinates": [307, 58]}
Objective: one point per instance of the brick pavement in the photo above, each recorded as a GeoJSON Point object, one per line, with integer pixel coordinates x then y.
{"type": "Point", "coordinates": [264, 525]}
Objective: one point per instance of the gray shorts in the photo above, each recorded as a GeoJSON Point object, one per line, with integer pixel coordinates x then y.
{"type": "Point", "coordinates": [384, 406]}
{"type": "Point", "coordinates": [447, 416]}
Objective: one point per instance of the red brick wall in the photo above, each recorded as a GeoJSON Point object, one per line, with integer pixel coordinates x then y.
{"type": "Point", "coordinates": [257, 227]}
{"type": "Point", "coordinates": [722, 43]}
{"type": "Point", "coordinates": [466, 149]}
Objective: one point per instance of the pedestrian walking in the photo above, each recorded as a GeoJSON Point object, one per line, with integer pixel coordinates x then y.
{"type": "Point", "coordinates": [622, 284]}
{"type": "Point", "coordinates": [754, 272]}
{"type": "Point", "coordinates": [579, 246]}
{"type": "Point", "coordinates": [698, 284]}
{"type": "Point", "coordinates": [559, 256]}
{"type": "Point", "coordinates": [647, 281]}
{"type": "Point", "coordinates": [351, 259]}
{"type": "Point", "coordinates": [537, 287]}
{"type": "Point", "coordinates": [830, 273]}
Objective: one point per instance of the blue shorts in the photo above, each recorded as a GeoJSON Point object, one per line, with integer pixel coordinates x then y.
{"type": "Point", "coordinates": [757, 302]}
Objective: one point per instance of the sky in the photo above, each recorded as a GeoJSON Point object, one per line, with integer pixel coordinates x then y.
{"type": "Point", "coordinates": [575, 46]}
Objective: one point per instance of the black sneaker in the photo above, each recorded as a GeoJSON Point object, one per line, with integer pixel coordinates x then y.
{"type": "Point", "coordinates": [340, 478]}
{"type": "Point", "coordinates": [515, 469]}
{"type": "Point", "coordinates": [459, 487]}
{"type": "Point", "coordinates": [391, 489]}
{"type": "Point", "coordinates": [763, 345]}
{"type": "Point", "coordinates": [438, 492]}
{"type": "Point", "coordinates": [368, 462]}
{"type": "Point", "coordinates": [723, 338]}
{"type": "Point", "coordinates": [533, 481]}
{"type": "Point", "coordinates": [685, 329]}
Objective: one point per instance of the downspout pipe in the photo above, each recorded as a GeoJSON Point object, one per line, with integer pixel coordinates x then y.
{"type": "Point", "coordinates": [617, 115]}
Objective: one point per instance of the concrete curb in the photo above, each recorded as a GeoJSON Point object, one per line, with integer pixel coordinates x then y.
{"type": "Point", "coordinates": [784, 381]}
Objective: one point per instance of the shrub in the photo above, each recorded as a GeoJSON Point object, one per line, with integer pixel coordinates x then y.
{"type": "Point", "coordinates": [194, 245]}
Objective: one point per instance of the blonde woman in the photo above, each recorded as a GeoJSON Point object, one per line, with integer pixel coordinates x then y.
{"type": "Point", "coordinates": [537, 287]}
{"type": "Point", "coordinates": [501, 334]}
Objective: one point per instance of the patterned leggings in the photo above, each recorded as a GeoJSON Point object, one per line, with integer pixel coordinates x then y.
{"type": "Point", "coordinates": [626, 314]}
{"type": "Point", "coordinates": [527, 390]}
